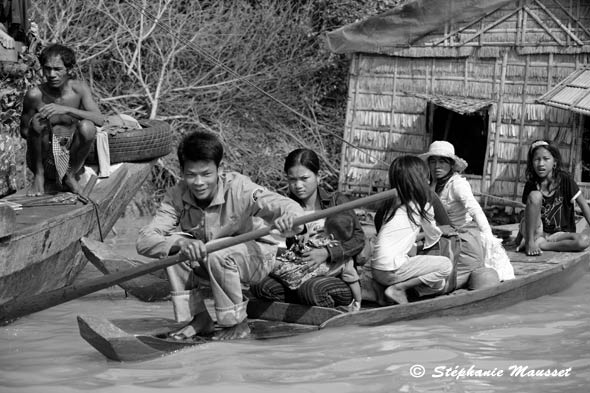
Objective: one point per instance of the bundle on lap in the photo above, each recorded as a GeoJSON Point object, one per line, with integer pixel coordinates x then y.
{"type": "Point", "coordinates": [338, 287]}
{"type": "Point", "coordinates": [294, 271]}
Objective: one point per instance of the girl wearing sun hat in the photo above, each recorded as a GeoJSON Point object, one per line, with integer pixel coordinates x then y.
{"type": "Point", "coordinates": [463, 210]}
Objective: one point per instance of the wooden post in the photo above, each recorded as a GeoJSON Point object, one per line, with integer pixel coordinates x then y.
{"type": "Point", "coordinates": [465, 75]}
{"type": "Point", "coordinates": [486, 159]}
{"type": "Point", "coordinates": [575, 162]}
{"type": "Point", "coordinates": [580, 147]}
{"type": "Point", "coordinates": [393, 96]}
{"type": "Point", "coordinates": [522, 122]}
{"type": "Point", "coordinates": [549, 85]}
{"type": "Point", "coordinates": [348, 124]}
{"type": "Point", "coordinates": [519, 24]}
{"type": "Point", "coordinates": [493, 175]}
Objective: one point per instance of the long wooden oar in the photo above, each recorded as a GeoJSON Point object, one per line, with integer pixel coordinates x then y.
{"type": "Point", "coordinates": [19, 307]}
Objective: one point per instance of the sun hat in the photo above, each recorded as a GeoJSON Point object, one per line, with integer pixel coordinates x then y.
{"type": "Point", "coordinates": [445, 149]}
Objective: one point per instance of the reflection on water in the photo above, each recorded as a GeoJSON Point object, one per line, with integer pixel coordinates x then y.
{"type": "Point", "coordinates": [44, 352]}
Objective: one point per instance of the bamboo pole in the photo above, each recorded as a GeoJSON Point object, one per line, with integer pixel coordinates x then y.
{"type": "Point", "coordinates": [484, 178]}
{"type": "Point", "coordinates": [393, 96]}
{"type": "Point", "coordinates": [524, 27]}
{"type": "Point", "coordinates": [522, 122]}
{"type": "Point", "coordinates": [519, 24]}
{"type": "Point", "coordinates": [573, 145]}
{"type": "Point", "coordinates": [493, 174]}
{"type": "Point", "coordinates": [353, 78]}
{"type": "Point", "coordinates": [549, 85]}
{"type": "Point", "coordinates": [568, 32]}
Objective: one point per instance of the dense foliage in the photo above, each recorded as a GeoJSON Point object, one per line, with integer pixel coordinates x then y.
{"type": "Point", "coordinates": [257, 73]}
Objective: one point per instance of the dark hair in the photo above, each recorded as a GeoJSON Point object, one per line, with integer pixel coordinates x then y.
{"type": "Point", "coordinates": [304, 157]}
{"type": "Point", "coordinates": [407, 176]}
{"type": "Point", "coordinates": [341, 226]}
{"type": "Point", "coordinates": [200, 146]}
{"type": "Point", "coordinates": [553, 150]}
{"type": "Point", "coordinates": [68, 57]}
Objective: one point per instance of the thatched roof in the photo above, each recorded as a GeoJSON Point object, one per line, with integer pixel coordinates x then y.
{"type": "Point", "coordinates": [573, 93]}
{"type": "Point", "coordinates": [405, 24]}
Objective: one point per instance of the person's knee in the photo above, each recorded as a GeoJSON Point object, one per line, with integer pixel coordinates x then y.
{"type": "Point", "coordinates": [269, 289]}
{"type": "Point", "coordinates": [312, 293]}
{"type": "Point", "coordinates": [445, 266]}
{"type": "Point", "coordinates": [86, 131]}
{"type": "Point", "coordinates": [218, 262]}
{"type": "Point", "coordinates": [38, 128]}
{"type": "Point", "coordinates": [583, 242]}
{"type": "Point", "coordinates": [535, 198]}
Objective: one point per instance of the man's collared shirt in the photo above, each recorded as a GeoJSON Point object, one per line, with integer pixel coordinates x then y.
{"type": "Point", "coordinates": [238, 206]}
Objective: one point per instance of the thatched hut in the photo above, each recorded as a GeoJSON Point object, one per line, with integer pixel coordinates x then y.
{"type": "Point", "coordinates": [490, 76]}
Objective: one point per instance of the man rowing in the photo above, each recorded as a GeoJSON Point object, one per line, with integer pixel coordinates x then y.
{"type": "Point", "coordinates": [208, 204]}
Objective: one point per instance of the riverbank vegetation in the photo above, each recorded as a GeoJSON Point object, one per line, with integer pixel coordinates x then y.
{"type": "Point", "coordinates": [257, 73]}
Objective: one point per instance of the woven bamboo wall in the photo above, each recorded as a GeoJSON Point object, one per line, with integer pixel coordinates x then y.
{"type": "Point", "coordinates": [385, 118]}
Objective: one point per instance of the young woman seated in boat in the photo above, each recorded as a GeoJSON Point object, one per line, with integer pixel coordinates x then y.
{"type": "Point", "coordinates": [464, 212]}
{"type": "Point", "coordinates": [549, 194]}
{"type": "Point", "coordinates": [302, 167]}
{"type": "Point", "coordinates": [394, 264]}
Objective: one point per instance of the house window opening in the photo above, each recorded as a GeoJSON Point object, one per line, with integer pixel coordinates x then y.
{"type": "Point", "coordinates": [467, 132]}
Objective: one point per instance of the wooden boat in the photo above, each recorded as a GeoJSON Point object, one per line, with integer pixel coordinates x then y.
{"type": "Point", "coordinates": [43, 252]}
{"type": "Point", "coordinates": [141, 339]}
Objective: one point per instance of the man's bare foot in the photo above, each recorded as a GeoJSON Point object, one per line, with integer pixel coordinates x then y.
{"type": "Point", "coordinates": [71, 182]}
{"type": "Point", "coordinates": [241, 330]}
{"type": "Point", "coordinates": [532, 249]}
{"type": "Point", "coordinates": [201, 324]}
{"type": "Point", "coordinates": [38, 186]}
{"type": "Point", "coordinates": [395, 295]}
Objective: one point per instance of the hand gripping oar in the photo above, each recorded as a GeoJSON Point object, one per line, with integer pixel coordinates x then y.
{"type": "Point", "coordinates": [21, 306]}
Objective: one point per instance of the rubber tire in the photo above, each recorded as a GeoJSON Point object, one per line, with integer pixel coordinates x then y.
{"type": "Point", "coordinates": [152, 141]}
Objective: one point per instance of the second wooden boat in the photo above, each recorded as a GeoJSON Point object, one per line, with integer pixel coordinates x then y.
{"type": "Point", "coordinates": [43, 253]}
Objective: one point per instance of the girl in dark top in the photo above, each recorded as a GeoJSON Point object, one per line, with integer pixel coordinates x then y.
{"type": "Point", "coordinates": [549, 194]}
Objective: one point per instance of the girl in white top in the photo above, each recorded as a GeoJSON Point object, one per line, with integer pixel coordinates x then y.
{"type": "Point", "coordinates": [393, 265]}
{"type": "Point", "coordinates": [463, 210]}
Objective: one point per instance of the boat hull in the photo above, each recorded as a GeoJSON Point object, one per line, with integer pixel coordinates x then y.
{"type": "Point", "coordinates": [535, 277]}
{"type": "Point", "coordinates": [144, 338]}
{"type": "Point", "coordinates": [560, 271]}
{"type": "Point", "coordinates": [43, 253]}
